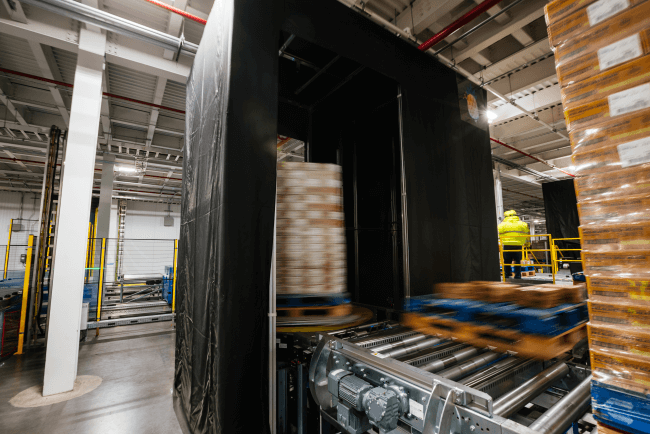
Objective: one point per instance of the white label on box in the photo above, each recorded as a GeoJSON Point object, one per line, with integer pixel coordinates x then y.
{"type": "Point", "coordinates": [283, 345]}
{"type": "Point", "coordinates": [635, 152]}
{"type": "Point", "coordinates": [277, 341]}
{"type": "Point", "coordinates": [620, 52]}
{"type": "Point", "coordinates": [629, 100]}
{"type": "Point", "coordinates": [416, 409]}
{"type": "Point", "coordinates": [603, 9]}
{"type": "Point", "coordinates": [381, 356]}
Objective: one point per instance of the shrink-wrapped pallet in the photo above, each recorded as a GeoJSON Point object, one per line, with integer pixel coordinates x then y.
{"type": "Point", "coordinates": [311, 244]}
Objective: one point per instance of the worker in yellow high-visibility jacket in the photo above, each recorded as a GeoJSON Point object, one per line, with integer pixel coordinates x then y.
{"type": "Point", "coordinates": [511, 230]}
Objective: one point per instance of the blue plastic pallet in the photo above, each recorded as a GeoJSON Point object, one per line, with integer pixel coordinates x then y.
{"type": "Point", "coordinates": [622, 409]}
{"type": "Point", "coordinates": [301, 300]}
{"type": "Point", "coordinates": [509, 316]}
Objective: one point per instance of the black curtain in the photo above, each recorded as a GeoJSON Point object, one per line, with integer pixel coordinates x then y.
{"type": "Point", "coordinates": [562, 221]}
{"type": "Point", "coordinates": [227, 215]}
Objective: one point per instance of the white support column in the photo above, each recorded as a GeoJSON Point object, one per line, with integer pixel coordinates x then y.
{"type": "Point", "coordinates": [498, 192]}
{"type": "Point", "coordinates": [76, 189]}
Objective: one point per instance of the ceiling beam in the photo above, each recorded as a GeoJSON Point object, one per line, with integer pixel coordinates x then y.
{"type": "Point", "coordinates": [421, 14]}
{"type": "Point", "coordinates": [61, 32]}
{"type": "Point", "coordinates": [47, 64]}
{"type": "Point", "coordinates": [522, 14]}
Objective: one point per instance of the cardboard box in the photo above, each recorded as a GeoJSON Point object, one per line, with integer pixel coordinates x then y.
{"type": "Point", "coordinates": [542, 296]}
{"type": "Point", "coordinates": [627, 372]}
{"type": "Point", "coordinates": [629, 289]}
{"type": "Point", "coordinates": [559, 9]}
{"type": "Point", "coordinates": [458, 290]}
{"type": "Point", "coordinates": [611, 43]}
{"type": "Point", "coordinates": [610, 81]}
{"type": "Point", "coordinates": [615, 237]}
{"type": "Point", "coordinates": [620, 314]}
{"type": "Point", "coordinates": [613, 131]}
{"type": "Point", "coordinates": [616, 264]}
{"type": "Point", "coordinates": [627, 209]}
{"type": "Point", "coordinates": [583, 19]}
{"type": "Point", "coordinates": [626, 341]}
{"type": "Point", "coordinates": [614, 156]}
{"type": "Point", "coordinates": [497, 292]}
{"type": "Point", "coordinates": [620, 103]}
{"type": "Point", "coordinates": [631, 181]}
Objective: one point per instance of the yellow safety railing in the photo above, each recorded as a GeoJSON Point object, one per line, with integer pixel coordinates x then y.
{"type": "Point", "coordinates": [23, 308]}
{"type": "Point", "coordinates": [525, 251]}
{"type": "Point", "coordinates": [100, 284]}
{"type": "Point", "coordinates": [11, 225]}
{"type": "Point", "coordinates": [174, 279]}
{"type": "Point", "coordinates": [555, 250]}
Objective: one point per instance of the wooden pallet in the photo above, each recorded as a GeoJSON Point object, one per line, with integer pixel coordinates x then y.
{"type": "Point", "coordinates": [313, 311]}
{"type": "Point", "coordinates": [527, 273]}
{"type": "Point", "coordinates": [536, 346]}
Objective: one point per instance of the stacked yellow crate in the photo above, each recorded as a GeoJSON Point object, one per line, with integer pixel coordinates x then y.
{"type": "Point", "coordinates": [602, 55]}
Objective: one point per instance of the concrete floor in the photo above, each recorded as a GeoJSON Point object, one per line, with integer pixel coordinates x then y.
{"type": "Point", "coordinates": [136, 364]}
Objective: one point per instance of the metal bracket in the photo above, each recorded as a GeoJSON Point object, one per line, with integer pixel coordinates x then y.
{"type": "Point", "coordinates": [437, 422]}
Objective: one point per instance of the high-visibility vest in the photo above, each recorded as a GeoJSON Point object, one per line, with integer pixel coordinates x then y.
{"type": "Point", "coordinates": [511, 230]}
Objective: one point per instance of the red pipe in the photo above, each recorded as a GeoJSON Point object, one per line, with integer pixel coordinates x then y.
{"type": "Point", "coordinates": [178, 11]}
{"type": "Point", "coordinates": [110, 95]}
{"type": "Point", "coordinates": [460, 22]}
{"type": "Point", "coordinates": [533, 157]}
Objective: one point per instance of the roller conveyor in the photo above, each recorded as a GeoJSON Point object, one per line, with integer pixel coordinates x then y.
{"type": "Point", "coordinates": [463, 369]}
{"type": "Point", "coordinates": [408, 348]}
{"type": "Point", "coordinates": [437, 389]}
{"type": "Point", "coordinates": [456, 357]}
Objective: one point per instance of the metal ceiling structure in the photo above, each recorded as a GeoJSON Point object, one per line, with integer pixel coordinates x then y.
{"type": "Point", "coordinates": [510, 53]}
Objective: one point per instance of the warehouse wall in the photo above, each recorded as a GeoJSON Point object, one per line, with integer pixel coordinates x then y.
{"type": "Point", "coordinates": [149, 245]}
{"type": "Point", "coordinates": [10, 209]}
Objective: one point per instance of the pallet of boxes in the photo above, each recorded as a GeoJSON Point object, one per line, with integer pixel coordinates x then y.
{"type": "Point", "coordinates": [540, 321]}
{"type": "Point", "coordinates": [602, 55]}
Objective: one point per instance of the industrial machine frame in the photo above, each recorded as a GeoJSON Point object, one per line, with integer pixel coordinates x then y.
{"type": "Point", "coordinates": [429, 403]}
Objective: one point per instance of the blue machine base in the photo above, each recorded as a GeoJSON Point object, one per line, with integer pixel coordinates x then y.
{"type": "Point", "coordinates": [301, 300]}
{"type": "Point", "coordinates": [620, 409]}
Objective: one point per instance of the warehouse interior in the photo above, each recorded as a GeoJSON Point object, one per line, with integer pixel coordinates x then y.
{"type": "Point", "coordinates": [286, 216]}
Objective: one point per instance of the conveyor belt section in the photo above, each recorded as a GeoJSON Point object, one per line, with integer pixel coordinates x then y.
{"type": "Point", "coordinates": [111, 311]}
{"type": "Point", "coordinates": [428, 384]}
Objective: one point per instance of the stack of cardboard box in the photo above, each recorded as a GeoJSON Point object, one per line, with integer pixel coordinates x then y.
{"type": "Point", "coordinates": [602, 55]}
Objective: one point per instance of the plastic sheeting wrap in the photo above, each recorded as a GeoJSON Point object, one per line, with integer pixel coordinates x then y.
{"type": "Point", "coordinates": [224, 262]}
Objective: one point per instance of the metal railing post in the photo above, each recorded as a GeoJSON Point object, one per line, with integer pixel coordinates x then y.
{"type": "Point", "coordinates": [23, 308]}
{"type": "Point", "coordinates": [174, 278]}
{"type": "Point", "coordinates": [100, 286]}
{"type": "Point", "coordinates": [11, 225]}
{"type": "Point", "coordinates": [503, 267]}
{"type": "Point", "coordinates": [553, 258]}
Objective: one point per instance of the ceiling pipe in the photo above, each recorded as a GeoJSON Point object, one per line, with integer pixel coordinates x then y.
{"type": "Point", "coordinates": [460, 22]}
{"type": "Point", "coordinates": [110, 95]}
{"type": "Point", "coordinates": [112, 23]}
{"type": "Point", "coordinates": [393, 28]}
{"type": "Point", "coordinates": [551, 165]}
{"type": "Point", "coordinates": [178, 11]}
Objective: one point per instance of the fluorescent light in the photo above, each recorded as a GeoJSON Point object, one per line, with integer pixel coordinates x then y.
{"type": "Point", "coordinates": [536, 221]}
{"type": "Point", "coordinates": [491, 116]}
{"type": "Point", "coordinates": [129, 169]}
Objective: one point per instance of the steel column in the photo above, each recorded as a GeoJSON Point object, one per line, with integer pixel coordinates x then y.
{"type": "Point", "coordinates": [67, 275]}
{"type": "Point", "coordinates": [303, 383]}
{"type": "Point", "coordinates": [23, 308]}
